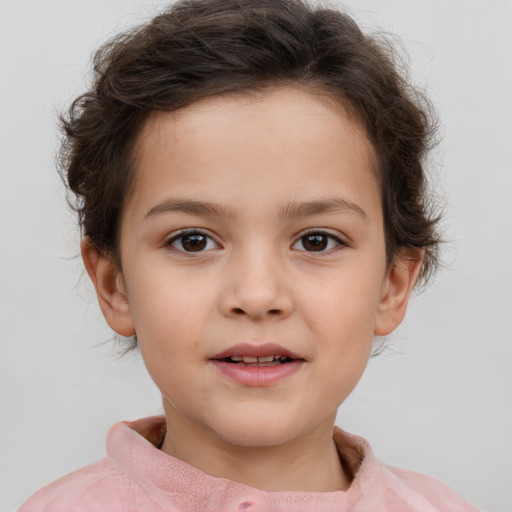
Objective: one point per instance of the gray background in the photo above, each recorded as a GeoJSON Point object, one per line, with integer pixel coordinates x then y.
{"type": "Point", "coordinates": [439, 401]}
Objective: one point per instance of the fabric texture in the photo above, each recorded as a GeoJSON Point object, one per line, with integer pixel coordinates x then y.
{"type": "Point", "coordinates": [135, 476]}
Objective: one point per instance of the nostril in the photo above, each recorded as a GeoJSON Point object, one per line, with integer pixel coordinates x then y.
{"type": "Point", "coordinates": [271, 312]}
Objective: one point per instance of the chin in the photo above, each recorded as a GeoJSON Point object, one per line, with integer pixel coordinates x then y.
{"type": "Point", "coordinates": [258, 433]}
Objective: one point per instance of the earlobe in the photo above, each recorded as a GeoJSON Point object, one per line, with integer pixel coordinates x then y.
{"type": "Point", "coordinates": [396, 290]}
{"type": "Point", "coordinates": [110, 289]}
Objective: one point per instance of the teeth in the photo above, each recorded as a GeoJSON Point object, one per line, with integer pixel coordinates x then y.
{"type": "Point", "coordinates": [255, 360]}
{"type": "Point", "coordinates": [265, 359]}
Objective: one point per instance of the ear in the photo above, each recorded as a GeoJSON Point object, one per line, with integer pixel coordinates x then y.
{"type": "Point", "coordinates": [396, 290]}
{"type": "Point", "coordinates": [110, 289]}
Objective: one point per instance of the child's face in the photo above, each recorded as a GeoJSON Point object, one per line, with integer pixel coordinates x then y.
{"type": "Point", "coordinates": [255, 221]}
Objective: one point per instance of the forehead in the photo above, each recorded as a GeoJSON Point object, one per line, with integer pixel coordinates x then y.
{"type": "Point", "coordinates": [290, 139]}
{"type": "Point", "coordinates": [292, 110]}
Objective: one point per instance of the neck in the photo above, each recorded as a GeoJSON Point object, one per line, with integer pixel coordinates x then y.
{"type": "Point", "coordinates": [309, 463]}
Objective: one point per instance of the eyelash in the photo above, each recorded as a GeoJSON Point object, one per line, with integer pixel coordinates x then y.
{"type": "Point", "coordinates": [339, 243]}
{"type": "Point", "coordinates": [189, 232]}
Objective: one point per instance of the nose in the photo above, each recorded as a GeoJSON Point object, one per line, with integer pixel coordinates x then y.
{"type": "Point", "coordinates": [256, 288]}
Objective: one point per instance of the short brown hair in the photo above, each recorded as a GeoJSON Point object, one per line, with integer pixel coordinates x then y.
{"type": "Point", "coordinates": [202, 48]}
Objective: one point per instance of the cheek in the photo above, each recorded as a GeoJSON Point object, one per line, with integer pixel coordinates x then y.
{"type": "Point", "coordinates": [167, 298]}
{"type": "Point", "coordinates": [342, 317]}
{"type": "Point", "coordinates": [168, 326]}
{"type": "Point", "coordinates": [348, 300]}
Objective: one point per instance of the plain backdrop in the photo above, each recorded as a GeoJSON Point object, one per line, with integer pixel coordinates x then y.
{"type": "Point", "coordinates": [438, 401]}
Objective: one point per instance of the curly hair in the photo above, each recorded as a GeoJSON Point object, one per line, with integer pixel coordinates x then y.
{"type": "Point", "coordinates": [201, 48]}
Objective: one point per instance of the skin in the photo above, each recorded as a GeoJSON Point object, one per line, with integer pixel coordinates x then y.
{"type": "Point", "coordinates": [257, 280]}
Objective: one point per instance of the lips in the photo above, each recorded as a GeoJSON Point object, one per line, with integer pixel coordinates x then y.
{"type": "Point", "coordinates": [257, 365]}
{"type": "Point", "coordinates": [259, 351]}
{"type": "Point", "coordinates": [272, 360]}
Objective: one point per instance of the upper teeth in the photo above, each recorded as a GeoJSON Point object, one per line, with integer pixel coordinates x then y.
{"type": "Point", "coordinates": [263, 359]}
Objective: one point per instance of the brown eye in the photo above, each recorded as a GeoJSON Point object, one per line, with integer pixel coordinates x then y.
{"type": "Point", "coordinates": [314, 242]}
{"type": "Point", "coordinates": [317, 242]}
{"type": "Point", "coordinates": [192, 242]}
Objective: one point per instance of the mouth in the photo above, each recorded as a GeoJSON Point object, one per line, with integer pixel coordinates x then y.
{"type": "Point", "coordinates": [249, 354]}
{"type": "Point", "coordinates": [272, 360]}
{"type": "Point", "coordinates": [257, 365]}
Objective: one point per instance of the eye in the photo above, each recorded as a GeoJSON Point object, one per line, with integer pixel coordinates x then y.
{"type": "Point", "coordinates": [192, 241]}
{"type": "Point", "coordinates": [318, 242]}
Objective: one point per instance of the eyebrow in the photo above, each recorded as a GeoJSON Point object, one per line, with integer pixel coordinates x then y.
{"type": "Point", "coordinates": [289, 210]}
{"type": "Point", "coordinates": [189, 206]}
{"type": "Point", "coordinates": [333, 205]}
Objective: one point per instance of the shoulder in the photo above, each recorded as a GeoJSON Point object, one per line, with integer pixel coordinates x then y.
{"type": "Point", "coordinates": [95, 487]}
{"type": "Point", "coordinates": [111, 484]}
{"type": "Point", "coordinates": [385, 488]}
{"type": "Point", "coordinates": [425, 490]}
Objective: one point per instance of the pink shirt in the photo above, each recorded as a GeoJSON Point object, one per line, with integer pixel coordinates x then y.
{"type": "Point", "coordinates": [136, 476]}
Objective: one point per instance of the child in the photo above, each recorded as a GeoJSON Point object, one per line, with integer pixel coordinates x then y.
{"type": "Point", "coordinates": [250, 187]}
